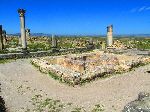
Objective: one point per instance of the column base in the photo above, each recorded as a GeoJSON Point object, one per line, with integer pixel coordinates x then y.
{"type": "Point", "coordinates": [24, 50]}
{"type": "Point", "coordinates": [90, 47]}
{"type": "Point", "coordinates": [54, 49]}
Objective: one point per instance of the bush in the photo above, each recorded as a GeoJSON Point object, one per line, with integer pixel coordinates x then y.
{"type": "Point", "coordinates": [38, 46]}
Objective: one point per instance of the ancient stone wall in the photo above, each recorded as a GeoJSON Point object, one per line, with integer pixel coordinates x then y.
{"type": "Point", "coordinates": [41, 53]}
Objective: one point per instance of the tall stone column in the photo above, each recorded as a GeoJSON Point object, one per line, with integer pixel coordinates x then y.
{"type": "Point", "coordinates": [1, 39]}
{"type": "Point", "coordinates": [28, 34]}
{"type": "Point", "coordinates": [22, 25]}
{"type": "Point", "coordinates": [54, 41]}
{"type": "Point", "coordinates": [4, 37]}
{"type": "Point", "coordinates": [109, 35]}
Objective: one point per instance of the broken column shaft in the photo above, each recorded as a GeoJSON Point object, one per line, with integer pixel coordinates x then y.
{"type": "Point", "coordinates": [22, 25]}
{"type": "Point", "coordinates": [109, 35]}
{"type": "Point", "coordinates": [54, 41]}
{"type": "Point", "coordinates": [28, 34]}
{"type": "Point", "coordinates": [1, 39]}
{"type": "Point", "coordinates": [4, 37]}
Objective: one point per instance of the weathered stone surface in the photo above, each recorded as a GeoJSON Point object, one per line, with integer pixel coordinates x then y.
{"type": "Point", "coordinates": [54, 41]}
{"type": "Point", "coordinates": [4, 37]}
{"type": "Point", "coordinates": [90, 44]}
{"type": "Point", "coordinates": [1, 39]}
{"type": "Point", "coordinates": [110, 35]}
{"type": "Point", "coordinates": [89, 65]}
{"type": "Point", "coordinates": [38, 53]}
{"type": "Point", "coordinates": [22, 27]}
{"type": "Point", "coordinates": [142, 104]}
{"type": "Point", "coordinates": [28, 34]}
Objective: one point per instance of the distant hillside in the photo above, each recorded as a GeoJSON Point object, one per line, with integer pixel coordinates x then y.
{"type": "Point", "coordinates": [134, 35]}
{"type": "Point", "coordinates": [115, 35]}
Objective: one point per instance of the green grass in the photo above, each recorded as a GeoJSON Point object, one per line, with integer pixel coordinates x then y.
{"type": "Point", "coordinates": [39, 47]}
{"type": "Point", "coordinates": [41, 104]}
{"type": "Point", "coordinates": [98, 108]}
{"type": "Point", "coordinates": [2, 61]}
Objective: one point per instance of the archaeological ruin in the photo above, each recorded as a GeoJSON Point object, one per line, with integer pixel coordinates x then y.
{"type": "Point", "coordinates": [76, 68]}
{"type": "Point", "coordinates": [25, 37]}
{"type": "Point", "coordinates": [71, 56]}
{"type": "Point", "coordinates": [22, 27]}
{"type": "Point", "coordinates": [1, 38]}
{"type": "Point", "coordinates": [28, 34]}
{"type": "Point", "coordinates": [4, 37]}
{"type": "Point", "coordinates": [110, 36]}
{"type": "Point", "coordinates": [54, 41]}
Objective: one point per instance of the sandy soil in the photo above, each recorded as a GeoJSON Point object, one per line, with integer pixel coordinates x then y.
{"type": "Point", "coordinates": [20, 81]}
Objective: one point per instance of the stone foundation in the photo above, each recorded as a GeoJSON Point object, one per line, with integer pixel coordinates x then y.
{"type": "Point", "coordinates": [76, 68]}
{"type": "Point", "coordinates": [41, 53]}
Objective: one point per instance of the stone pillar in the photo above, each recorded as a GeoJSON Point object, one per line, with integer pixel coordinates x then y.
{"type": "Point", "coordinates": [22, 25]}
{"type": "Point", "coordinates": [4, 37]}
{"type": "Point", "coordinates": [103, 46]}
{"type": "Point", "coordinates": [1, 39]}
{"type": "Point", "coordinates": [54, 42]}
{"type": "Point", "coordinates": [20, 42]}
{"type": "Point", "coordinates": [91, 41]}
{"type": "Point", "coordinates": [109, 35]}
{"type": "Point", "coordinates": [28, 34]}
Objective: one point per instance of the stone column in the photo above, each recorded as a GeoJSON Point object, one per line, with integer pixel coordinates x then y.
{"type": "Point", "coordinates": [54, 42]}
{"type": "Point", "coordinates": [28, 34]}
{"type": "Point", "coordinates": [22, 25]}
{"type": "Point", "coordinates": [109, 35]}
{"type": "Point", "coordinates": [91, 41]}
{"type": "Point", "coordinates": [4, 37]}
{"type": "Point", "coordinates": [1, 39]}
{"type": "Point", "coordinates": [20, 42]}
{"type": "Point", "coordinates": [103, 46]}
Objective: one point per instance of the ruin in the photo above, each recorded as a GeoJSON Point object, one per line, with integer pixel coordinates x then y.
{"type": "Point", "coordinates": [28, 34]}
{"type": "Point", "coordinates": [110, 36]}
{"type": "Point", "coordinates": [1, 38]}
{"type": "Point", "coordinates": [20, 41]}
{"type": "Point", "coordinates": [54, 42]}
{"type": "Point", "coordinates": [78, 67]}
{"type": "Point", "coordinates": [90, 44]}
{"type": "Point", "coordinates": [22, 26]}
{"type": "Point", "coordinates": [103, 46]}
{"type": "Point", "coordinates": [4, 37]}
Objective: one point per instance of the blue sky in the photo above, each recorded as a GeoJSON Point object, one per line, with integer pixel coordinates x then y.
{"type": "Point", "coordinates": [77, 16]}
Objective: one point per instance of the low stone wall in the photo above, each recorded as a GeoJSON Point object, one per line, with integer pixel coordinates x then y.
{"type": "Point", "coordinates": [78, 68]}
{"type": "Point", "coordinates": [42, 53]}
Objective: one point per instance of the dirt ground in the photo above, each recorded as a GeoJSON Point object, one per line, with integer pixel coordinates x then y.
{"type": "Point", "coordinates": [20, 81]}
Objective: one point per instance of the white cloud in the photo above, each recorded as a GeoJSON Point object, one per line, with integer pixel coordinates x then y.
{"type": "Point", "coordinates": [141, 9]}
{"type": "Point", "coordinates": [148, 8]}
